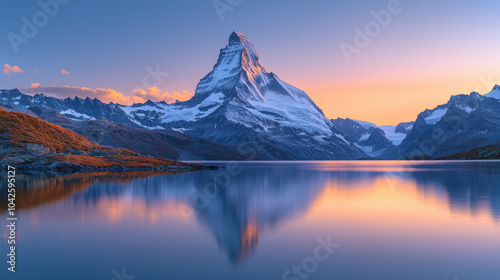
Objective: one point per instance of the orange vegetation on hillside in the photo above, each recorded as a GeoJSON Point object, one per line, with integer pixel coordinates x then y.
{"type": "Point", "coordinates": [20, 129]}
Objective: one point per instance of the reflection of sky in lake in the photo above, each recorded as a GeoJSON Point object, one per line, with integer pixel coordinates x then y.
{"type": "Point", "coordinates": [393, 221]}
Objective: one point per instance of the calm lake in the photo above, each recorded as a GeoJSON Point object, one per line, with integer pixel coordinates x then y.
{"type": "Point", "coordinates": [262, 220]}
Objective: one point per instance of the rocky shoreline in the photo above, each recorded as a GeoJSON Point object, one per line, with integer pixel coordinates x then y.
{"type": "Point", "coordinates": [68, 168]}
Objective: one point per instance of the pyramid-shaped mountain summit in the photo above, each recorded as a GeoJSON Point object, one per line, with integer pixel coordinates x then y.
{"type": "Point", "coordinates": [239, 103]}
{"type": "Point", "coordinates": [252, 114]}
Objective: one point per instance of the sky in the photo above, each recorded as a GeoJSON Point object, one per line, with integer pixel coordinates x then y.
{"type": "Point", "coordinates": [382, 61]}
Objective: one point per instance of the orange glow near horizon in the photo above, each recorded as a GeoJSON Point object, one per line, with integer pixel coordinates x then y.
{"type": "Point", "coordinates": [391, 83]}
{"type": "Point", "coordinates": [389, 103]}
{"type": "Point", "coordinates": [392, 202]}
{"type": "Point", "coordinates": [381, 95]}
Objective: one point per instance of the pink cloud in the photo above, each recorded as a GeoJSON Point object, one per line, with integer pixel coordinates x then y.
{"type": "Point", "coordinates": [110, 95]}
{"type": "Point", "coordinates": [155, 94]}
{"type": "Point", "coordinates": [15, 69]}
{"type": "Point", "coordinates": [64, 72]}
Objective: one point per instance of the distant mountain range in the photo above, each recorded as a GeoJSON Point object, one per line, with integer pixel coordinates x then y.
{"type": "Point", "coordinates": [161, 143]}
{"type": "Point", "coordinates": [241, 111]}
{"type": "Point", "coordinates": [240, 103]}
{"type": "Point", "coordinates": [466, 122]}
{"type": "Point", "coordinates": [372, 139]}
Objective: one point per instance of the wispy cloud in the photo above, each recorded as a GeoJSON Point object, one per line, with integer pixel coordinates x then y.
{"type": "Point", "coordinates": [155, 94]}
{"type": "Point", "coordinates": [14, 69]}
{"type": "Point", "coordinates": [109, 95]}
{"type": "Point", "coordinates": [64, 72]}
{"type": "Point", "coordinates": [104, 94]}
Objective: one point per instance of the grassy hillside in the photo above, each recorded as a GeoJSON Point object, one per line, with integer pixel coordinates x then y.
{"type": "Point", "coordinates": [30, 142]}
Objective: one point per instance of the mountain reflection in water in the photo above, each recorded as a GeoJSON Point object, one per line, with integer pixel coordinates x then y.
{"type": "Point", "coordinates": [260, 198]}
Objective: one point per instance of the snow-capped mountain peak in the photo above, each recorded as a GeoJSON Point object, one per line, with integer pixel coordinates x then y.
{"type": "Point", "coordinates": [237, 104]}
{"type": "Point", "coordinates": [249, 58]}
{"type": "Point", "coordinates": [495, 92]}
{"type": "Point", "coordinates": [239, 101]}
{"type": "Point", "coordinates": [239, 58]}
{"type": "Point", "coordinates": [240, 82]}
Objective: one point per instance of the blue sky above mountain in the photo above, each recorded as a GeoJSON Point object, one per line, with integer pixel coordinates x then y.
{"type": "Point", "coordinates": [428, 52]}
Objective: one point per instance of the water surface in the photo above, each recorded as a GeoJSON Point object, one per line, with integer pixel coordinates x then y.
{"type": "Point", "coordinates": [389, 220]}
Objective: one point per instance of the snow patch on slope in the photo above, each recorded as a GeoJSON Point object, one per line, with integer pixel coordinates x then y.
{"type": "Point", "coordinates": [366, 125]}
{"type": "Point", "coordinates": [72, 114]}
{"type": "Point", "coordinates": [289, 113]}
{"type": "Point", "coordinates": [466, 109]}
{"type": "Point", "coordinates": [390, 133]}
{"type": "Point", "coordinates": [364, 137]}
{"type": "Point", "coordinates": [495, 93]}
{"type": "Point", "coordinates": [436, 116]}
{"type": "Point", "coordinates": [177, 112]}
{"type": "Point", "coordinates": [205, 108]}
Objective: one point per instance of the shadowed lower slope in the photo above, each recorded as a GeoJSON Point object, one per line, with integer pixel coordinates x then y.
{"type": "Point", "coordinates": [488, 152]}
{"type": "Point", "coordinates": [29, 142]}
